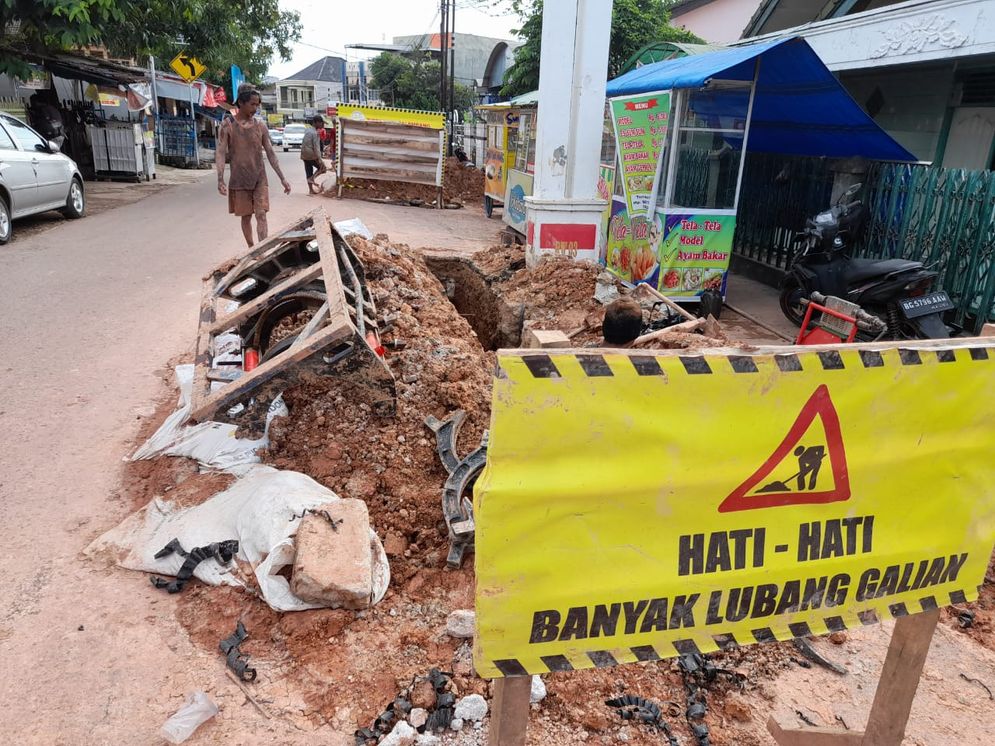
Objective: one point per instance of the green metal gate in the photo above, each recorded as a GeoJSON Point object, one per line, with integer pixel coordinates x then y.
{"type": "Point", "coordinates": [944, 218]}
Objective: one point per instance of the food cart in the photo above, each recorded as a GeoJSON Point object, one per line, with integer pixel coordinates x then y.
{"type": "Point", "coordinates": [520, 178]}
{"type": "Point", "coordinates": [682, 128]}
{"type": "Point", "coordinates": [502, 122]}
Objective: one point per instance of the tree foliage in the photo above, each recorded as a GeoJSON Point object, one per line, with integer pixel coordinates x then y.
{"type": "Point", "coordinates": [220, 33]}
{"type": "Point", "coordinates": [413, 83]}
{"type": "Point", "coordinates": [635, 23]}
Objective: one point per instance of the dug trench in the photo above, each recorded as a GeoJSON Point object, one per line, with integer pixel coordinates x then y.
{"type": "Point", "coordinates": [337, 669]}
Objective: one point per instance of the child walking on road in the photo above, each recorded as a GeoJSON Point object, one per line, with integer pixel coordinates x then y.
{"type": "Point", "coordinates": [311, 153]}
{"type": "Point", "coordinates": [244, 139]}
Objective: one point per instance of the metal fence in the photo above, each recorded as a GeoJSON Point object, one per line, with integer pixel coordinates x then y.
{"type": "Point", "coordinates": [944, 218]}
{"type": "Point", "coordinates": [472, 137]}
{"type": "Point", "coordinates": [777, 194]}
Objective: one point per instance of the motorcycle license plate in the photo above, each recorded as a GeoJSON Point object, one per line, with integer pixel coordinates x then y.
{"type": "Point", "coordinates": [925, 304]}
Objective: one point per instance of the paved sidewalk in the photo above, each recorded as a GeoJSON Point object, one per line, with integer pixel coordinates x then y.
{"type": "Point", "coordinates": [761, 302]}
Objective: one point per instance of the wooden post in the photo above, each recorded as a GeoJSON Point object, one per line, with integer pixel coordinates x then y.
{"type": "Point", "coordinates": [900, 678]}
{"type": "Point", "coordinates": [510, 716]}
{"type": "Point", "coordinates": [893, 698]}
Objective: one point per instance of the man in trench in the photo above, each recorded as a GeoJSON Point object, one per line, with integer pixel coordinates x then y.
{"type": "Point", "coordinates": [243, 139]}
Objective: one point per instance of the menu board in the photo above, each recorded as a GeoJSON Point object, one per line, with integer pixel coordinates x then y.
{"type": "Point", "coordinates": [641, 124]}
{"type": "Point", "coordinates": [694, 254]}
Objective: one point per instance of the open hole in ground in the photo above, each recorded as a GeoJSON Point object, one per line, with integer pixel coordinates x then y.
{"type": "Point", "coordinates": [496, 321]}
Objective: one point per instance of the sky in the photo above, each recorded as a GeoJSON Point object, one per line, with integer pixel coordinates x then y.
{"type": "Point", "coordinates": [331, 24]}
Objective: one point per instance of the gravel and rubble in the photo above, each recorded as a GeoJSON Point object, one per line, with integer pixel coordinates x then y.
{"type": "Point", "coordinates": [337, 669]}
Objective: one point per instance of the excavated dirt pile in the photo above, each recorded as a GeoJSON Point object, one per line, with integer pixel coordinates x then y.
{"type": "Point", "coordinates": [501, 297]}
{"type": "Point", "coordinates": [341, 668]}
{"type": "Point", "coordinates": [347, 665]}
{"type": "Point", "coordinates": [461, 186]}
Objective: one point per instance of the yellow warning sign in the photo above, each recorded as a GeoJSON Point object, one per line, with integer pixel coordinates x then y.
{"type": "Point", "coordinates": [432, 119]}
{"type": "Point", "coordinates": [187, 67]}
{"type": "Point", "coordinates": [637, 506]}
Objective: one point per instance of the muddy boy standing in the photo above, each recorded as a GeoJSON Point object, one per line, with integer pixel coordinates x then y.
{"type": "Point", "coordinates": [244, 139]}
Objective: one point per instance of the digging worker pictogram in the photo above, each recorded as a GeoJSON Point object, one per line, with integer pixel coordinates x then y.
{"type": "Point", "coordinates": [809, 463]}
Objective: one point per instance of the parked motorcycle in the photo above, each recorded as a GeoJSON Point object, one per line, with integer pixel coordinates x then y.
{"type": "Point", "coordinates": [897, 291]}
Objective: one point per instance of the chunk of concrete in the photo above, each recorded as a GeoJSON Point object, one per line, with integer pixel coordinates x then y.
{"type": "Point", "coordinates": [402, 735]}
{"type": "Point", "coordinates": [544, 339]}
{"type": "Point", "coordinates": [334, 563]}
{"type": "Point", "coordinates": [472, 707]}
{"type": "Point", "coordinates": [460, 623]}
{"type": "Point", "coordinates": [418, 717]}
{"type": "Point", "coordinates": [538, 691]}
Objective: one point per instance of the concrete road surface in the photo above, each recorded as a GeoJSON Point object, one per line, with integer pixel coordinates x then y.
{"type": "Point", "coordinates": [91, 313]}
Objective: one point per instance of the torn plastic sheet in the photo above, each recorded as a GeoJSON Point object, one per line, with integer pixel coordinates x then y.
{"type": "Point", "coordinates": [355, 226]}
{"type": "Point", "coordinates": [258, 510]}
{"type": "Point", "coordinates": [212, 444]}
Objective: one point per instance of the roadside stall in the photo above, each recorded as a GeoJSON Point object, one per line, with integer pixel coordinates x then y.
{"type": "Point", "coordinates": [682, 127]}
{"type": "Point", "coordinates": [499, 155]}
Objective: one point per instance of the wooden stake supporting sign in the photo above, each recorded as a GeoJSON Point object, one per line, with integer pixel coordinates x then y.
{"type": "Point", "coordinates": [510, 716]}
{"type": "Point", "coordinates": [885, 726]}
{"type": "Point", "coordinates": [893, 698]}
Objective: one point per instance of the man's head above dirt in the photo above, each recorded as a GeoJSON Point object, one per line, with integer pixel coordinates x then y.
{"type": "Point", "coordinates": [318, 123]}
{"type": "Point", "coordinates": [623, 321]}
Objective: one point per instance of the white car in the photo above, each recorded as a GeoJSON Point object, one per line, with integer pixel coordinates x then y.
{"type": "Point", "coordinates": [293, 136]}
{"type": "Point", "coordinates": [276, 137]}
{"type": "Point", "coordinates": [34, 176]}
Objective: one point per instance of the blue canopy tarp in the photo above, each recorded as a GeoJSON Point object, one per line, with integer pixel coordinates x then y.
{"type": "Point", "coordinates": [799, 108]}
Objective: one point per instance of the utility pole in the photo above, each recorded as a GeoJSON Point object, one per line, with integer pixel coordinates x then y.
{"type": "Point", "coordinates": [443, 53]}
{"type": "Point", "coordinates": [452, 76]}
{"type": "Point", "coordinates": [564, 212]}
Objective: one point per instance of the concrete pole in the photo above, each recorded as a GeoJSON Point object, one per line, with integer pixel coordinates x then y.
{"type": "Point", "coordinates": [564, 212]}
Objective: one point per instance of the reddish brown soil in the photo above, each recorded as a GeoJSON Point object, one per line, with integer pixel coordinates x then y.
{"type": "Point", "coordinates": [982, 627]}
{"type": "Point", "coordinates": [344, 667]}
{"type": "Point", "coordinates": [461, 186]}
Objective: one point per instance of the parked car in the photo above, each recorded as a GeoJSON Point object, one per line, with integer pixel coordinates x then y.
{"type": "Point", "coordinates": [276, 137]}
{"type": "Point", "coordinates": [34, 176]}
{"type": "Point", "coordinates": [293, 136]}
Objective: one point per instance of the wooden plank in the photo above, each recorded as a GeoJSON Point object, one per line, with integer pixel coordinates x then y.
{"type": "Point", "coordinates": [338, 311]}
{"type": "Point", "coordinates": [421, 134]}
{"type": "Point", "coordinates": [812, 736]}
{"type": "Point", "coordinates": [391, 155]}
{"type": "Point", "coordinates": [370, 164]}
{"type": "Point", "coordinates": [309, 328]}
{"type": "Point", "coordinates": [201, 388]}
{"type": "Point", "coordinates": [226, 397]}
{"type": "Point", "coordinates": [267, 246]}
{"type": "Point", "coordinates": [246, 310]}
{"type": "Point", "coordinates": [510, 716]}
{"type": "Point", "coordinates": [900, 678]}
{"type": "Point", "coordinates": [381, 176]}
{"type": "Point", "coordinates": [378, 141]}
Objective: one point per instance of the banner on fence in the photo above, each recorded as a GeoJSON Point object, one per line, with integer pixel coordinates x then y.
{"type": "Point", "coordinates": [641, 505]}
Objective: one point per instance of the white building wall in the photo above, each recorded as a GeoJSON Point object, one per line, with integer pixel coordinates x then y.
{"type": "Point", "coordinates": [718, 22]}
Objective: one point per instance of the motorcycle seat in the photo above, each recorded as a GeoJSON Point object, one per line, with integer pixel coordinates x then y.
{"type": "Point", "coordinates": [866, 269]}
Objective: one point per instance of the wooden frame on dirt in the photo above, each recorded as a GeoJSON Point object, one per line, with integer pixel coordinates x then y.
{"type": "Point", "coordinates": [388, 151]}
{"type": "Point", "coordinates": [334, 343]}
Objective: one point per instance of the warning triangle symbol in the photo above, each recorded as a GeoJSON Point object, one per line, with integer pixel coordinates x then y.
{"type": "Point", "coordinates": [807, 468]}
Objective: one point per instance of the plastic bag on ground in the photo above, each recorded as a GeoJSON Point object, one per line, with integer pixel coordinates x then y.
{"type": "Point", "coordinates": [262, 510]}
{"type": "Point", "coordinates": [212, 444]}
{"type": "Point", "coordinates": [198, 710]}
{"type": "Point", "coordinates": [355, 226]}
